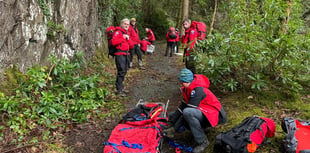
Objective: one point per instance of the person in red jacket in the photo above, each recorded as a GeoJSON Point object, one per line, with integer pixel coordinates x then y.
{"type": "Point", "coordinates": [150, 35]}
{"type": "Point", "coordinates": [133, 33]}
{"type": "Point", "coordinates": [144, 44]}
{"type": "Point", "coordinates": [171, 38]}
{"type": "Point", "coordinates": [200, 108]}
{"type": "Point", "coordinates": [189, 40]}
{"type": "Point", "coordinates": [122, 43]}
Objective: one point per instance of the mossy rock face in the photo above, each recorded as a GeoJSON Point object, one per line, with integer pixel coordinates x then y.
{"type": "Point", "coordinates": [10, 79]}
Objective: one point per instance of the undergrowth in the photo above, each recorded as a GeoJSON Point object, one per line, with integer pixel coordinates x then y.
{"type": "Point", "coordinates": [40, 104]}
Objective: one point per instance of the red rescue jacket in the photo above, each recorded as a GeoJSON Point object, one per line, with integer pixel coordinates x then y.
{"type": "Point", "coordinates": [122, 45]}
{"type": "Point", "coordinates": [189, 39]}
{"type": "Point", "coordinates": [210, 105]}
{"type": "Point", "coordinates": [143, 45]}
{"type": "Point", "coordinates": [150, 35]}
{"type": "Point", "coordinates": [133, 33]}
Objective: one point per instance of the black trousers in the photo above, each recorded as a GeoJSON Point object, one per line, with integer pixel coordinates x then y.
{"type": "Point", "coordinates": [121, 62]}
{"type": "Point", "coordinates": [136, 50]}
{"type": "Point", "coordinates": [190, 62]}
{"type": "Point", "coordinates": [171, 47]}
{"type": "Point", "coordinates": [177, 47]}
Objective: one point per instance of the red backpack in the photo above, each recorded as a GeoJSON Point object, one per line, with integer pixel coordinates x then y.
{"type": "Point", "coordinates": [297, 135]}
{"type": "Point", "coordinates": [140, 131]}
{"type": "Point", "coordinates": [109, 32]}
{"type": "Point", "coordinates": [201, 29]}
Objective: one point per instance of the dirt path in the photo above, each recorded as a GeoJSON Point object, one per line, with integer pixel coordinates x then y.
{"type": "Point", "coordinates": [156, 83]}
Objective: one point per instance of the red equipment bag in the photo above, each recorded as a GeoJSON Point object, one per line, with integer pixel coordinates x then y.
{"type": "Point", "coordinates": [109, 32]}
{"type": "Point", "coordinates": [139, 131]}
{"type": "Point", "coordinates": [245, 137]}
{"type": "Point", "coordinates": [201, 29]}
{"type": "Point", "coordinates": [298, 134]}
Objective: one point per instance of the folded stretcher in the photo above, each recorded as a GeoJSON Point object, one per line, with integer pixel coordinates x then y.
{"type": "Point", "coordinates": [140, 130]}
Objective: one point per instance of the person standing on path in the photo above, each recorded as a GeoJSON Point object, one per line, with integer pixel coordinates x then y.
{"type": "Point", "coordinates": [171, 37]}
{"type": "Point", "coordinates": [122, 43]}
{"type": "Point", "coordinates": [200, 109]}
{"type": "Point", "coordinates": [177, 40]}
{"type": "Point", "coordinates": [133, 33]}
{"type": "Point", "coordinates": [189, 40]}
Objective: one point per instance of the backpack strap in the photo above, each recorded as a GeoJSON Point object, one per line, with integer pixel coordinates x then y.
{"type": "Point", "coordinates": [180, 146]}
{"type": "Point", "coordinates": [124, 143]}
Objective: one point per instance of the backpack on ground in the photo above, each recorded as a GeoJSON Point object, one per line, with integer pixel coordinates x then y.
{"type": "Point", "coordinates": [201, 29]}
{"type": "Point", "coordinates": [140, 130]}
{"type": "Point", "coordinates": [298, 134]}
{"type": "Point", "coordinates": [172, 33]}
{"type": "Point", "coordinates": [144, 114]}
{"type": "Point", "coordinates": [245, 137]}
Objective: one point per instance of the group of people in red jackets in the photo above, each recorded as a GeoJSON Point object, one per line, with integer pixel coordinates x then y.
{"type": "Point", "coordinates": [124, 43]}
{"type": "Point", "coordinates": [200, 107]}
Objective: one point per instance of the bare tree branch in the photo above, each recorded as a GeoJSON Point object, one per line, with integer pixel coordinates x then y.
{"type": "Point", "coordinates": [284, 27]}
{"type": "Point", "coordinates": [213, 18]}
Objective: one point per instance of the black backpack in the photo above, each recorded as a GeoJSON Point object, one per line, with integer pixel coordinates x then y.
{"type": "Point", "coordinates": [297, 135]}
{"type": "Point", "coordinates": [112, 50]}
{"type": "Point", "coordinates": [172, 35]}
{"type": "Point", "coordinates": [237, 139]}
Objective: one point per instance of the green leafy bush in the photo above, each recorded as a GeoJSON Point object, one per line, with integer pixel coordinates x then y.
{"type": "Point", "coordinates": [260, 49]}
{"type": "Point", "coordinates": [67, 91]}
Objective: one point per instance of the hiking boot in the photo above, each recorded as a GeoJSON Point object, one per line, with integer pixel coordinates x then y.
{"type": "Point", "coordinates": [125, 91]}
{"type": "Point", "coordinates": [130, 64]}
{"type": "Point", "coordinates": [169, 132]}
{"type": "Point", "coordinates": [140, 63]}
{"type": "Point", "coordinates": [201, 147]}
{"type": "Point", "coordinates": [121, 93]}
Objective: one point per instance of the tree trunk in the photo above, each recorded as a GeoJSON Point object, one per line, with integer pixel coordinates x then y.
{"type": "Point", "coordinates": [185, 11]}
{"type": "Point", "coordinates": [180, 13]}
{"type": "Point", "coordinates": [185, 8]}
{"type": "Point", "coordinates": [146, 9]}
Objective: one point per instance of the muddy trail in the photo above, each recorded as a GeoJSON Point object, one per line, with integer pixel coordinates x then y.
{"type": "Point", "coordinates": [157, 82]}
